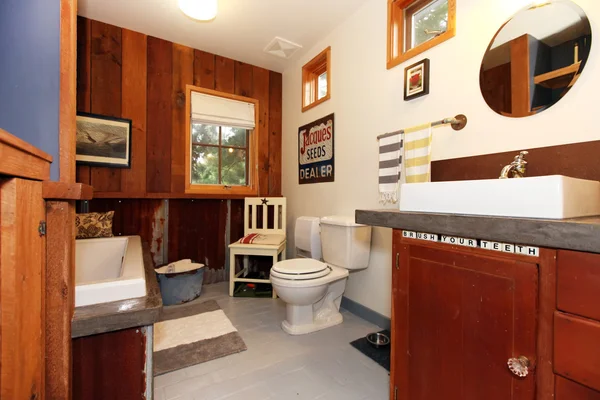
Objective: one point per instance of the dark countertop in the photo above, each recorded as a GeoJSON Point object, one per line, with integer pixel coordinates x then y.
{"type": "Point", "coordinates": [580, 234]}
{"type": "Point", "coordinates": [108, 317]}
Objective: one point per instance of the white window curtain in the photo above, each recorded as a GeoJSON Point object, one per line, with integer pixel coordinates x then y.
{"type": "Point", "coordinates": [215, 110]}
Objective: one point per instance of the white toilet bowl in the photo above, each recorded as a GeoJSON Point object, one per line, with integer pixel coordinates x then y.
{"type": "Point", "coordinates": [312, 291]}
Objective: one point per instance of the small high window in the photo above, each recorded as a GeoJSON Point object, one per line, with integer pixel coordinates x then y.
{"type": "Point", "coordinates": [316, 80]}
{"type": "Point", "coordinates": [222, 143]}
{"type": "Point", "coordinates": [415, 26]}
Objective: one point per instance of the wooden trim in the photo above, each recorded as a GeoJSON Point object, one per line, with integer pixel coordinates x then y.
{"type": "Point", "coordinates": [19, 158]}
{"type": "Point", "coordinates": [478, 251]}
{"type": "Point", "coordinates": [549, 78]}
{"type": "Point", "coordinates": [399, 255]}
{"type": "Point", "coordinates": [65, 191]}
{"type": "Point", "coordinates": [169, 195]}
{"type": "Point", "coordinates": [24, 147]}
{"type": "Point", "coordinates": [60, 297]}
{"type": "Point", "coordinates": [395, 33]}
{"type": "Point", "coordinates": [310, 73]}
{"type": "Point", "coordinates": [68, 89]}
{"type": "Point", "coordinates": [565, 159]}
{"type": "Point", "coordinates": [519, 75]}
{"type": "Point", "coordinates": [250, 190]}
{"type": "Point", "coordinates": [545, 329]}
{"type": "Point", "coordinates": [22, 290]}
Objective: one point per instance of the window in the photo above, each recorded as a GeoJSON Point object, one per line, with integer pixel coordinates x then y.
{"type": "Point", "coordinates": [316, 80]}
{"type": "Point", "coordinates": [415, 26]}
{"type": "Point", "coordinates": [221, 143]}
{"type": "Point", "coordinates": [219, 155]}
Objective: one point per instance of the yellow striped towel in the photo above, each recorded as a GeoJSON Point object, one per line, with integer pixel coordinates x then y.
{"type": "Point", "coordinates": [417, 154]}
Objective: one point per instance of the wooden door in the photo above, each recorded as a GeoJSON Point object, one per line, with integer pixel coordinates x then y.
{"type": "Point", "coordinates": [22, 258]}
{"type": "Point", "coordinates": [459, 315]}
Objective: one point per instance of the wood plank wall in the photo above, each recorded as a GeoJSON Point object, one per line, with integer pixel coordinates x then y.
{"type": "Point", "coordinates": [126, 74]}
{"type": "Point", "coordinates": [572, 160]}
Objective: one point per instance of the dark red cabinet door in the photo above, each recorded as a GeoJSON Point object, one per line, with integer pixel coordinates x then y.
{"type": "Point", "coordinates": [458, 316]}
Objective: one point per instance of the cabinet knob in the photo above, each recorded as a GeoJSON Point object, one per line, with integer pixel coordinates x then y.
{"type": "Point", "coordinates": [519, 366]}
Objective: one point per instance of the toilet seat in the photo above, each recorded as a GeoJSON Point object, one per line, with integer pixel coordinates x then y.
{"type": "Point", "coordinates": [300, 269]}
{"type": "Point", "coordinates": [333, 274]}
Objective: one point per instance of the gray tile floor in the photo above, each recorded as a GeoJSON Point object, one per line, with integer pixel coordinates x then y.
{"type": "Point", "coordinates": [276, 366]}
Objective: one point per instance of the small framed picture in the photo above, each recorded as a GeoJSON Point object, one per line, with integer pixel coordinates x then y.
{"type": "Point", "coordinates": [416, 80]}
{"type": "Point", "coordinates": [103, 141]}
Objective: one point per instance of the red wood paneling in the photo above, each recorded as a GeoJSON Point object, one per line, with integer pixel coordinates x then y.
{"type": "Point", "coordinates": [260, 92]}
{"type": "Point", "coordinates": [159, 129]}
{"type": "Point", "coordinates": [275, 132]}
{"type": "Point", "coordinates": [204, 69]}
{"type": "Point", "coordinates": [197, 231]}
{"type": "Point", "coordinates": [135, 217]}
{"type": "Point", "coordinates": [110, 366]}
{"type": "Point", "coordinates": [134, 107]}
{"type": "Point", "coordinates": [566, 159]}
{"type": "Point", "coordinates": [129, 75]}
{"type": "Point", "coordinates": [106, 64]}
{"type": "Point", "coordinates": [224, 74]}
{"type": "Point", "coordinates": [183, 74]}
{"type": "Point", "coordinates": [243, 79]}
{"type": "Point", "coordinates": [236, 218]}
{"type": "Point", "coordinates": [84, 53]}
{"type": "Point", "coordinates": [148, 89]}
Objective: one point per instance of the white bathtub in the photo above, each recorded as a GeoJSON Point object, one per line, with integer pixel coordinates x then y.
{"type": "Point", "coordinates": [108, 269]}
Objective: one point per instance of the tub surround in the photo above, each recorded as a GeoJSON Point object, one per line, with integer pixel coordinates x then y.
{"type": "Point", "coordinates": [108, 270]}
{"type": "Point", "coordinates": [580, 234]}
{"type": "Point", "coordinates": [108, 317]}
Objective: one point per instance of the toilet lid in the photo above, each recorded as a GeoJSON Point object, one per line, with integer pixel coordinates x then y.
{"type": "Point", "coordinates": [300, 269]}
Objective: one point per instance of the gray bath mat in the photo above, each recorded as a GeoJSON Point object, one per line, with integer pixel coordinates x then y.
{"type": "Point", "coordinates": [191, 334]}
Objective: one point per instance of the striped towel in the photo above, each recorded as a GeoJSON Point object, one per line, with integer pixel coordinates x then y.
{"type": "Point", "coordinates": [390, 168]}
{"type": "Point", "coordinates": [417, 154]}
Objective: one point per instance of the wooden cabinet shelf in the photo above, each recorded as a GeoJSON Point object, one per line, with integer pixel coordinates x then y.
{"type": "Point", "coordinates": [559, 78]}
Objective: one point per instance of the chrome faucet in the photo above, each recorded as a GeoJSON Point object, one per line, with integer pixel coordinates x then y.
{"type": "Point", "coordinates": [517, 168]}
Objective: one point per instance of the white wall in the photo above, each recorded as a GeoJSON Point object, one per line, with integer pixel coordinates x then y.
{"type": "Point", "coordinates": [367, 100]}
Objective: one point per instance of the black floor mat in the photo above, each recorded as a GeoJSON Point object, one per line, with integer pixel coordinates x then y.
{"type": "Point", "coordinates": [380, 356]}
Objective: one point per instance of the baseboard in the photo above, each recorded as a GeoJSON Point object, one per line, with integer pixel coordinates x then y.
{"type": "Point", "coordinates": [365, 313]}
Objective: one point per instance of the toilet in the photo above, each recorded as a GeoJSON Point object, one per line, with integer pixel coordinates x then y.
{"type": "Point", "coordinates": [312, 289]}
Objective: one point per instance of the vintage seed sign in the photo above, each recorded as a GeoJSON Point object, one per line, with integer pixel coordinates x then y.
{"type": "Point", "coordinates": [315, 151]}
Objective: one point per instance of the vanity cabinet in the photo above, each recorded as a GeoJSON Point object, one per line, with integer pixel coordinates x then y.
{"type": "Point", "coordinates": [460, 313]}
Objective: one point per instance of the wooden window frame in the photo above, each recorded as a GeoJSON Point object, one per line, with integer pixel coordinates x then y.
{"type": "Point", "coordinates": [252, 153]}
{"type": "Point", "coordinates": [396, 37]}
{"type": "Point", "coordinates": [310, 77]}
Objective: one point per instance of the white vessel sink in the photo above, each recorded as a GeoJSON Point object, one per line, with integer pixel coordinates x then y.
{"type": "Point", "coordinates": [552, 197]}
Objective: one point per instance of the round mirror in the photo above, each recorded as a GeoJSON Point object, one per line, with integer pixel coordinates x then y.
{"type": "Point", "coordinates": [535, 58]}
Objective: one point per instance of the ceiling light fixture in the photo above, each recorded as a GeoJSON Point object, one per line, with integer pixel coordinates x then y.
{"type": "Point", "coordinates": [201, 10]}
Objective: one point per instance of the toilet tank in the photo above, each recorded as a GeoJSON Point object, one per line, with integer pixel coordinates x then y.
{"type": "Point", "coordinates": [345, 243]}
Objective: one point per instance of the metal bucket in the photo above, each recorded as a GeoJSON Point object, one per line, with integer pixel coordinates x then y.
{"type": "Point", "coordinates": [180, 282]}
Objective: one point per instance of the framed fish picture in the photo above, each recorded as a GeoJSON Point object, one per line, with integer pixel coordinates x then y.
{"type": "Point", "coordinates": [103, 141]}
{"type": "Point", "coordinates": [416, 80]}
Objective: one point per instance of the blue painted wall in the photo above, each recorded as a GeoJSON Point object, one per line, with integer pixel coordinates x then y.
{"type": "Point", "coordinates": [30, 72]}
